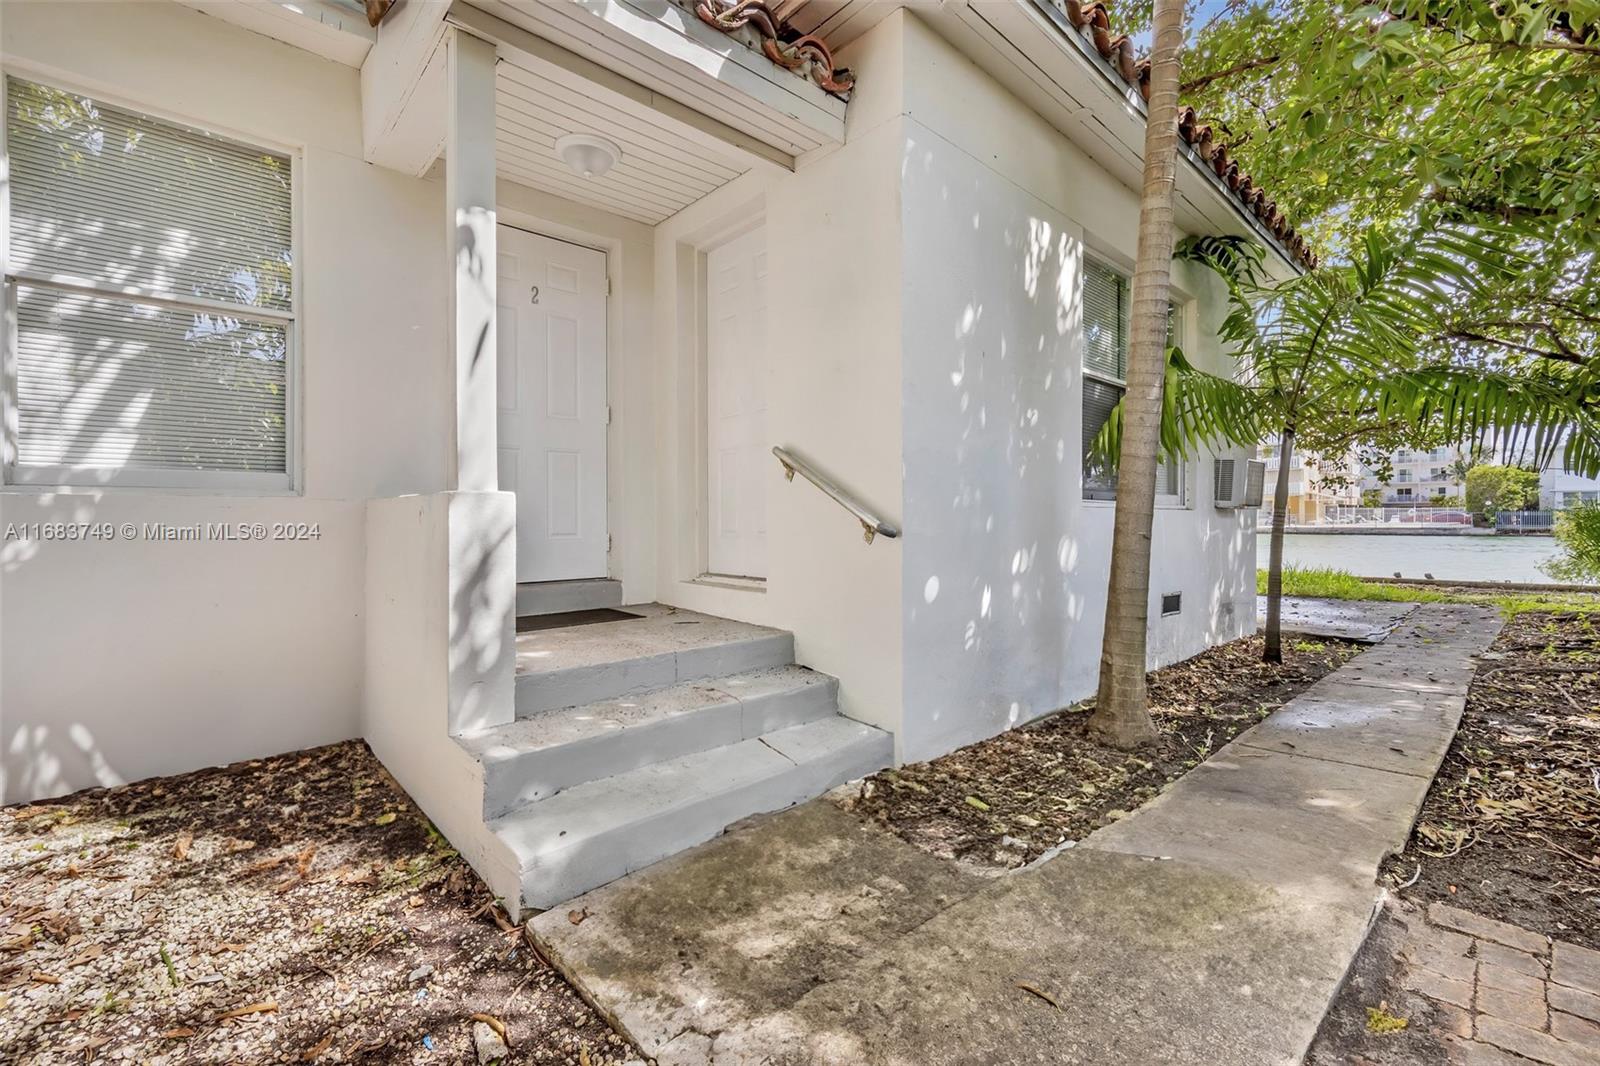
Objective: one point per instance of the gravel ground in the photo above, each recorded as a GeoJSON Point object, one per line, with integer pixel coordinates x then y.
{"type": "Point", "coordinates": [1004, 801]}
{"type": "Point", "coordinates": [291, 909]}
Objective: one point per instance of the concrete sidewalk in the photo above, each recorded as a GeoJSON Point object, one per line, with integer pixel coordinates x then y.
{"type": "Point", "coordinates": [1367, 621]}
{"type": "Point", "coordinates": [1213, 925]}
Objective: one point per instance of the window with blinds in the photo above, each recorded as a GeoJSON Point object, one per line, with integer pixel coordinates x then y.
{"type": "Point", "coordinates": [152, 271]}
{"type": "Point", "coordinates": [1105, 368]}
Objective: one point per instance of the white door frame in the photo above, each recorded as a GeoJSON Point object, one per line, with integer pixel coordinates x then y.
{"type": "Point", "coordinates": [738, 553]}
{"type": "Point", "coordinates": [698, 516]}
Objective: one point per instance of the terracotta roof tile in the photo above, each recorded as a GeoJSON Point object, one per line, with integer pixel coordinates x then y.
{"type": "Point", "coordinates": [1092, 18]}
{"type": "Point", "coordinates": [810, 55]}
{"type": "Point", "coordinates": [805, 53]}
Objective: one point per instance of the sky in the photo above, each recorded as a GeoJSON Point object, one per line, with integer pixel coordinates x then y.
{"type": "Point", "coordinates": [1200, 12]}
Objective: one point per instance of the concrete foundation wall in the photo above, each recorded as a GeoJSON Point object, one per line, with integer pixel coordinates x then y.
{"type": "Point", "coordinates": [420, 687]}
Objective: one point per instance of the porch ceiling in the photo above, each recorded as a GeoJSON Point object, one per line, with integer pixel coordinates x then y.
{"type": "Point", "coordinates": [661, 170]}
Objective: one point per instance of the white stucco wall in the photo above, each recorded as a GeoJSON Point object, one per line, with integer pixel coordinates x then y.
{"type": "Point", "coordinates": [926, 353]}
{"type": "Point", "coordinates": [124, 660]}
{"type": "Point", "coordinates": [833, 394]}
{"type": "Point", "coordinates": [919, 350]}
{"type": "Point", "coordinates": [1005, 565]}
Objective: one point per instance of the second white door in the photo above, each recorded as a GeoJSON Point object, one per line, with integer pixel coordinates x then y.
{"type": "Point", "coordinates": [552, 399]}
{"type": "Point", "coordinates": [737, 463]}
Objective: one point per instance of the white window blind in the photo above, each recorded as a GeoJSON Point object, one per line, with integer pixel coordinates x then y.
{"type": "Point", "coordinates": [1105, 321]}
{"type": "Point", "coordinates": [1105, 365]}
{"type": "Point", "coordinates": [152, 270]}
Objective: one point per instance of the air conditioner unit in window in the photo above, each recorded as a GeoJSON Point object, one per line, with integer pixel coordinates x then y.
{"type": "Point", "coordinates": [1237, 483]}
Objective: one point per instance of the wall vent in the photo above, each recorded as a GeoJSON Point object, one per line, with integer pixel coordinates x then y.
{"type": "Point", "coordinates": [1222, 489]}
{"type": "Point", "coordinates": [1171, 603]}
{"type": "Point", "coordinates": [1255, 481]}
{"type": "Point", "coordinates": [1237, 483]}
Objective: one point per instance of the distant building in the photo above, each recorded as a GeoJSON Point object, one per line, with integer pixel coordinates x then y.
{"type": "Point", "coordinates": [1418, 477]}
{"type": "Point", "coordinates": [1313, 488]}
{"type": "Point", "coordinates": [1560, 489]}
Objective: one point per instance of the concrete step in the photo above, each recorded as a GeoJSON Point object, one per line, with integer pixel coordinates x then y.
{"type": "Point", "coordinates": [547, 751]}
{"type": "Point", "coordinates": [561, 597]}
{"type": "Point", "coordinates": [665, 646]}
{"type": "Point", "coordinates": [588, 835]}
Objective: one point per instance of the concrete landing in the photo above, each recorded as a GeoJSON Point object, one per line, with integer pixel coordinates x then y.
{"type": "Point", "coordinates": [657, 631]}
{"type": "Point", "coordinates": [1213, 925]}
{"type": "Point", "coordinates": [664, 646]}
{"type": "Point", "coordinates": [1366, 621]}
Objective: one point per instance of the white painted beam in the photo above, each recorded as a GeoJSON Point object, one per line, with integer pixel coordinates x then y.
{"type": "Point", "coordinates": [319, 26]}
{"type": "Point", "coordinates": [534, 53]}
{"type": "Point", "coordinates": [668, 50]}
{"type": "Point", "coordinates": [402, 88]}
{"type": "Point", "coordinates": [470, 215]}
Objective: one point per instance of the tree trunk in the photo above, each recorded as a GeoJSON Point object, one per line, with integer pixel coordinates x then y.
{"type": "Point", "coordinates": [1121, 717]}
{"type": "Point", "coordinates": [1280, 518]}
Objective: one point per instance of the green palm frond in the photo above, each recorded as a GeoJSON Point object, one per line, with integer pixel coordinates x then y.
{"type": "Point", "coordinates": [1538, 414]}
{"type": "Point", "coordinates": [1198, 409]}
{"type": "Point", "coordinates": [1347, 343]}
{"type": "Point", "coordinates": [1343, 322]}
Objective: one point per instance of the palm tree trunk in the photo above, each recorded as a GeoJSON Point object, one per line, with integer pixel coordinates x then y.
{"type": "Point", "coordinates": [1121, 717]}
{"type": "Point", "coordinates": [1280, 512]}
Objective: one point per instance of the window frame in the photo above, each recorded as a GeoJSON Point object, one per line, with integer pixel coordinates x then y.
{"type": "Point", "coordinates": [15, 477]}
{"type": "Point", "coordinates": [1172, 501]}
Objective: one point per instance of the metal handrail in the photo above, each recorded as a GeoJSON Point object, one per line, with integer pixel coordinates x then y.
{"type": "Point", "coordinates": [871, 524]}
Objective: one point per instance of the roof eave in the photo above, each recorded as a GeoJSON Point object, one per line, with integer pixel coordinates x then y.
{"type": "Point", "coordinates": [1085, 50]}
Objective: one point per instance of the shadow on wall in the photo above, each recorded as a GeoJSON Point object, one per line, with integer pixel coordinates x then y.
{"type": "Point", "coordinates": [1005, 564]}
{"type": "Point", "coordinates": [42, 760]}
{"type": "Point", "coordinates": [482, 626]}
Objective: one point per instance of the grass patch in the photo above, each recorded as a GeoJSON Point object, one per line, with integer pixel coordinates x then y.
{"type": "Point", "coordinates": [1329, 584]}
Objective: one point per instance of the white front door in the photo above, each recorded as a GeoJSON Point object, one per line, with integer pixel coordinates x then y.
{"type": "Point", "coordinates": [552, 398]}
{"type": "Point", "coordinates": [737, 463]}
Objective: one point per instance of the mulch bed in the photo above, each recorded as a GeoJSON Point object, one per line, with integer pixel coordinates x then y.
{"type": "Point", "coordinates": [1004, 801]}
{"type": "Point", "coordinates": [1511, 827]}
{"type": "Point", "coordinates": [291, 909]}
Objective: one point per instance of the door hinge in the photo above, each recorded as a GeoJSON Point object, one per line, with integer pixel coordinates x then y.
{"type": "Point", "coordinates": [608, 414]}
{"type": "Point", "coordinates": [608, 284]}
{"type": "Point", "coordinates": [608, 543]}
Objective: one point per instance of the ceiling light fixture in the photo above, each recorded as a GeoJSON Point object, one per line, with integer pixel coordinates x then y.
{"type": "Point", "coordinates": [587, 155]}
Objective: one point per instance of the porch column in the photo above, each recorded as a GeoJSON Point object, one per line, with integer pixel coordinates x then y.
{"type": "Point", "coordinates": [470, 214]}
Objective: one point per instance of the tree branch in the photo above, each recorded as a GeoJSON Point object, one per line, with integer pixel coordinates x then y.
{"type": "Point", "coordinates": [1482, 338]}
{"type": "Point", "coordinates": [1227, 72]}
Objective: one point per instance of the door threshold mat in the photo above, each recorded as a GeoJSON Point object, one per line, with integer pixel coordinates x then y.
{"type": "Point", "coordinates": [533, 623]}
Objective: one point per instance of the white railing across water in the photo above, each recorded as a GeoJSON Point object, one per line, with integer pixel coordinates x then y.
{"type": "Point", "coordinates": [1394, 515]}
